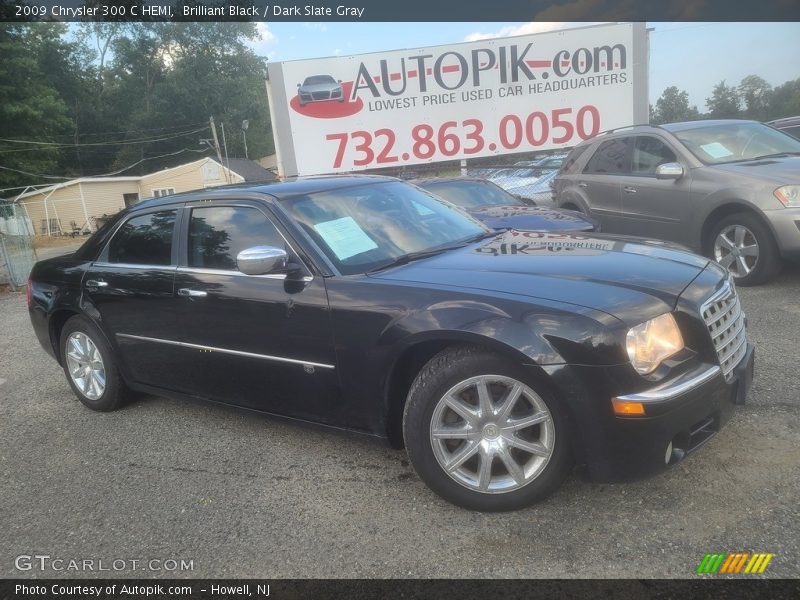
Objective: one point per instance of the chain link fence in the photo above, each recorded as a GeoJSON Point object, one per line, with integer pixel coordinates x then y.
{"type": "Point", "coordinates": [17, 255]}
{"type": "Point", "coordinates": [529, 177]}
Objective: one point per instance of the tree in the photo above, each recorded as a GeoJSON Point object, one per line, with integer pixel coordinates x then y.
{"type": "Point", "coordinates": [785, 100]}
{"type": "Point", "coordinates": [724, 102]}
{"type": "Point", "coordinates": [673, 106]}
{"type": "Point", "coordinates": [755, 93]}
{"type": "Point", "coordinates": [31, 109]}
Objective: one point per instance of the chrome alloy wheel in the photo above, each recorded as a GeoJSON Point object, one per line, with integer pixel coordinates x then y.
{"type": "Point", "coordinates": [492, 434]}
{"type": "Point", "coordinates": [85, 365]}
{"type": "Point", "coordinates": [736, 249]}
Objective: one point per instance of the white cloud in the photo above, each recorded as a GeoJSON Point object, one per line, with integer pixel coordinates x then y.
{"type": "Point", "coordinates": [316, 26]}
{"type": "Point", "coordinates": [524, 29]}
{"type": "Point", "coordinates": [267, 37]}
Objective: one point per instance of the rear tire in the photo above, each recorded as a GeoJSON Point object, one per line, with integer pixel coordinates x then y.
{"type": "Point", "coordinates": [745, 246]}
{"type": "Point", "coordinates": [90, 366]}
{"type": "Point", "coordinates": [468, 402]}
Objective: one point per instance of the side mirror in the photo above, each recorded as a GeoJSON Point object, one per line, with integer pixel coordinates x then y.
{"type": "Point", "coordinates": [261, 260]}
{"type": "Point", "coordinates": [298, 85]}
{"type": "Point", "coordinates": [340, 81]}
{"type": "Point", "coordinates": [671, 170]}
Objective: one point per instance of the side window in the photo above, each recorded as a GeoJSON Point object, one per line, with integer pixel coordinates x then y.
{"type": "Point", "coordinates": [649, 153]}
{"type": "Point", "coordinates": [218, 233]}
{"type": "Point", "coordinates": [611, 158]}
{"type": "Point", "coordinates": [570, 163]}
{"type": "Point", "coordinates": [144, 240]}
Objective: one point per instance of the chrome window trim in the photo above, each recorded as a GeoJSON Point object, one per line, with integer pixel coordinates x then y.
{"type": "Point", "coordinates": [200, 271]}
{"type": "Point", "coordinates": [674, 388]}
{"type": "Point", "coordinates": [99, 263]}
{"type": "Point", "coordinates": [293, 361]}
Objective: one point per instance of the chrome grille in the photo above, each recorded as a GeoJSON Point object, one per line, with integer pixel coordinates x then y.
{"type": "Point", "coordinates": [724, 318]}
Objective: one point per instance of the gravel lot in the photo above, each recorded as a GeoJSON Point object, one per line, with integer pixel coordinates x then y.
{"type": "Point", "coordinates": [244, 496]}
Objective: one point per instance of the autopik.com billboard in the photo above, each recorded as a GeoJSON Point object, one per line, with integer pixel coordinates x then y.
{"type": "Point", "coordinates": [468, 100]}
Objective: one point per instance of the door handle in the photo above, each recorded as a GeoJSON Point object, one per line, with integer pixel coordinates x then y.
{"type": "Point", "coordinates": [95, 283]}
{"type": "Point", "coordinates": [583, 185]}
{"type": "Point", "coordinates": [186, 292]}
{"type": "Point", "coordinates": [629, 190]}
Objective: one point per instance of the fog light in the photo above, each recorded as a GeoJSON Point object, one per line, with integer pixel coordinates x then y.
{"type": "Point", "coordinates": [627, 409]}
{"type": "Point", "coordinates": [668, 455]}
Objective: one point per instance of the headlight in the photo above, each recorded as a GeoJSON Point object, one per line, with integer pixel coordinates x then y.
{"type": "Point", "coordinates": [789, 195]}
{"type": "Point", "coordinates": [650, 343]}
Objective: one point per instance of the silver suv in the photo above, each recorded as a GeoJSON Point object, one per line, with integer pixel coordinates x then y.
{"type": "Point", "coordinates": [728, 189]}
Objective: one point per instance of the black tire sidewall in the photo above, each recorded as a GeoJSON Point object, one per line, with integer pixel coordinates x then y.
{"type": "Point", "coordinates": [769, 259]}
{"type": "Point", "coordinates": [431, 385]}
{"type": "Point", "coordinates": [112, 396]}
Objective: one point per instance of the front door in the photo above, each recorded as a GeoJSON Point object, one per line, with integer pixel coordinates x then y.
{"type": "Point", "coordinates": [655, 208]}
{"type": "Point", "coordinates": [264, 341]}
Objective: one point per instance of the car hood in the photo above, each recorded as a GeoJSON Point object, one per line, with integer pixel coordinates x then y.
{"type": "Point", "coordinates": [780, 169]}
{"type": "Point", "coordinates": [531, 218]}
{"type": "Point", "coordinates": [628, 278]}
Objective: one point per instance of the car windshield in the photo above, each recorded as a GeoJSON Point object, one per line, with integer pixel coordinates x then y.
{"type": "Point", "coordinates": [317, 79]}
{"type": "Point", "coordinates": [733, 142]}
{"type": "Point", "coordinates": [505, 173]}
{"type": "Point", "coordinates": [472, 194]}
{"type": "Point", "coordinates": [366, 227]}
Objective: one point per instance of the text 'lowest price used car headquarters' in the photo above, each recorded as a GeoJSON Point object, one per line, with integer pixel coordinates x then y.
{"type": "Point", "coordinates": [498, 358]}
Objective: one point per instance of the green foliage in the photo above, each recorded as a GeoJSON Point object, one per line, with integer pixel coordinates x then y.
{"type": "Point", "coordinates": [724, 102]}
{"type": "Point", "coordinates": [27, 103]}
{"type": "Point", "coordinates": [673, 106]}
{"type": "Point", "coordinates": [113, 94]}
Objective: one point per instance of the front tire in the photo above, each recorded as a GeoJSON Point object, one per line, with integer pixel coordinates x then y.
{"type": "Point", "coordinates": [483, 434]}
{"type": "Point", "coordinates": [745, 246]}
{"type": "Point", "coordinates": [90, 366]}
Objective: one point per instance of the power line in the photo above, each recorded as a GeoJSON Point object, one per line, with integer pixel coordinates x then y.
{"type": "Point", "coordinates": [138, 162]}
{"type": "Point", "coordinates": [87, 144]}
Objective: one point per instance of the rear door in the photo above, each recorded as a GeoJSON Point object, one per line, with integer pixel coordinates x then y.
{"type": "Point", "coordinates": [655, 208]}
{"type": "Point", "coordinates": [264, 341]}
{"type": "Point", "coordinates": [602, 179]}
{"type": "Point", "coordinates": [129, 292]}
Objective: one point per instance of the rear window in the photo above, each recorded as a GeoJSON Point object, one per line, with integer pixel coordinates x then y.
{"type": "Point", "coordinates": [144, 240]}
{"type": "Point", "coordinates": [570, 163]}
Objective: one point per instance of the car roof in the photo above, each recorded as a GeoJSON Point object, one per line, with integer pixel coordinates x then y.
{"type": "Point", "coordinates": [294, 186]}
{"type": "Point", "coordinates": [698, 124]}
{"type": "Point", "coordinates": [784, 121]}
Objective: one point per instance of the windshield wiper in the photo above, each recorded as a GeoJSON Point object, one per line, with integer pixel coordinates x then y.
{"type": "Point", "coordinates": [775, 155]}
{"type": "Point", "coordinates": [412, 256]}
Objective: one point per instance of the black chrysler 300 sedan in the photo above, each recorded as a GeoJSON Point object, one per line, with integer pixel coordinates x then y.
{"type": "Point", "coordinates": [364, 303]}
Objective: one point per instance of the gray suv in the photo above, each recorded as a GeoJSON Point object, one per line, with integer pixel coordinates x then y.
{"type": "Point", "coordinates": [728, 189]}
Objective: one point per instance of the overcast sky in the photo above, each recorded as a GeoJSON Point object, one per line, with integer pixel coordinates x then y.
{"type": "Point", "coordinates": [693, 56]}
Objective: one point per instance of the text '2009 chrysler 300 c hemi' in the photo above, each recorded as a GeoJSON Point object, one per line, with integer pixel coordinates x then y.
{"type": "Point", "coordinates": [365, 303]}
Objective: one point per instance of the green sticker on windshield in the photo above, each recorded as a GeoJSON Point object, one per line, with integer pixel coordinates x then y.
{"type": "Point", "coordinates": [344, 237]}
{"type": "Point", "coordinates": [716, 150]}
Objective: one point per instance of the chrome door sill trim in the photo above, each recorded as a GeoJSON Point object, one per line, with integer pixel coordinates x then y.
{"type": "Point", "coordinates": [293, 361]}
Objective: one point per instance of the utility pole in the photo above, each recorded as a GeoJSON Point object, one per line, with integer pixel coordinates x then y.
{"type": "Point", "coordinates": [245, 125]}
{"type": "Point", "coordinates": [227, 160]}
{"type": "Point", "coordinates": [216, 141]}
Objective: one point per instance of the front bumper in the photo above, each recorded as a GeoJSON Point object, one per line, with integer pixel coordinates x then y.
{"type": "Point", "coordinates": [680, 417]}
{"type": "Point", "coordinates": [785, 223]}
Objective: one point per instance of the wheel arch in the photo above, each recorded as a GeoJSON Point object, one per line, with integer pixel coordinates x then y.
{"type": "Point", "coordinates": [415, 355]}
{"type": "Point", "coordinates": [56, 323]}
{"type": "Point", "coordinates": [730, 207]}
